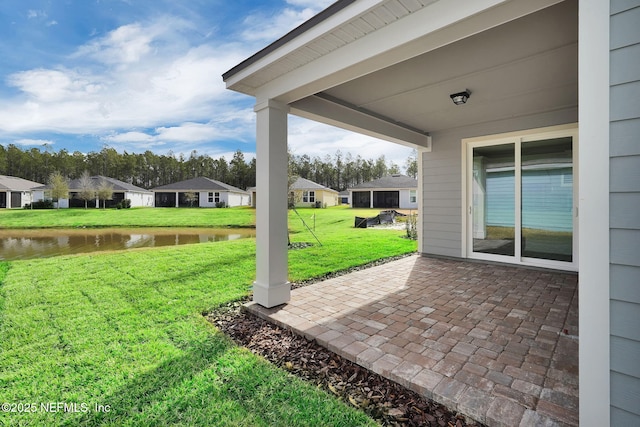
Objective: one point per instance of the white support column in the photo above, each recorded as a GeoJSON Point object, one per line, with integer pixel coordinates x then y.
{"type": "Point", "coordinates": [177, 199]}
{"type": "Point", "coordinates": [371, 199]}
{"type": "Point", "coordinates": [593, 214]}
{"type": "Point", "coordinates": [271, 287]}
{"type": "Point", "coordinates": [420, 196]}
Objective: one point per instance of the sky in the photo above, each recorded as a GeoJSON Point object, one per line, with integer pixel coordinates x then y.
{"type": "Point", "coordinates": [137, 75]}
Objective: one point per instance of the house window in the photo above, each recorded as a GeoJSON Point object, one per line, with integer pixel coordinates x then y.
{"type": "Point", "coordinates": [210, 197]}
{"type": "Point", "coordinates": [217, 197]}
{"type": "Point", "coordinates": [308, 196]}
{"type": "Point", "coordinates": [412, 196]}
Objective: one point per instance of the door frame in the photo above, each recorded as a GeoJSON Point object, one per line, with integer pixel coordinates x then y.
{"type": "Point", "coordinates": [517, 138]}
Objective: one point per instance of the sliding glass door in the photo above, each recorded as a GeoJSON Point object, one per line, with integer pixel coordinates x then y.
{"type": "Point", "coordinates": [521, 200]}
{"type": "Point", "coordinates": [494, 198]}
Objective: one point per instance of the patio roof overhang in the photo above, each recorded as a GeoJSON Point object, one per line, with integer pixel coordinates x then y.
{"type": "Point", "coordinates": [387, 68]}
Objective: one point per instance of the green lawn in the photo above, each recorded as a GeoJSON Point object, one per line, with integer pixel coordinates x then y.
{"type": "Point", "coordinates": [125, 329]}
{"type": "Point", "coordinates": [135, 217]}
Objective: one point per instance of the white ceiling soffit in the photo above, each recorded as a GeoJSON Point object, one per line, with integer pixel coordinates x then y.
{"type": "Point", "coordinates": [525, 67]}
{"type": "Point", "coordinates": [357, 69]}
{"type": "Point", "coordinates": [365, 36]}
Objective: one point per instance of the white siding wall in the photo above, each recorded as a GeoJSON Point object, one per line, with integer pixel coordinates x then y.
{"type": "Point", "coordinates": [624, 208]}
{"type": "Point", "coordinates": [204, 199]}
{"type": "Point", "coordinates": [441, 196]}
{"type": "Point", "coordinates": [139, 200]}
{"type": "Point", "coordinates": [405, 200]}
{"type": "Point", "coordinates": [236, 199]}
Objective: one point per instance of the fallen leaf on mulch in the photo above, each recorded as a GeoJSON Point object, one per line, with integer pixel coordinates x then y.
{"type": "Point", "coordinates": [384, 400]}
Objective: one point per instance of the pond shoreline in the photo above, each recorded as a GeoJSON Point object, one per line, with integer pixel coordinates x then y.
{"type": "Point", "coordinates": [17, 244]}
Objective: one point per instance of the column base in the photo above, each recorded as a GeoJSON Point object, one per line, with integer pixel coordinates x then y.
{"type": "Point", "coordinates": [270, 296]}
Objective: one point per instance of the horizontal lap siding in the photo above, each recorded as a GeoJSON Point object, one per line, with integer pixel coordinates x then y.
{"type": "Point", "coordinates": [441, 198]}
{"type": "Point", "coordinates": [624, 212]}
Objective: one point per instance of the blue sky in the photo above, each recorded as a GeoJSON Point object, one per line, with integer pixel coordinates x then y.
{"type": "Point", "coordinates": [140, 75]}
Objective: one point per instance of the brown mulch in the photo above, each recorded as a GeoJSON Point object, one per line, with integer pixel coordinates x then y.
{"type": "Point", "coordinates": [384, 400]}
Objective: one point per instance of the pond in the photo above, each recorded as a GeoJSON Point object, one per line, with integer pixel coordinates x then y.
{"type": "Point", "coordinates": [41, 243]}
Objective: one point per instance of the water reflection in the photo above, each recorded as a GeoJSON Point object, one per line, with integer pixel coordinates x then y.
{"type": "Point", "coordinates": [29, 244]}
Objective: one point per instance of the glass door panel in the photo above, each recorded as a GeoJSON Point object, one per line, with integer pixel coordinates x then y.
{"type": "Point", "coordinates": [547, 199]}
{"type": "Point", "coordinates": [494, 200]}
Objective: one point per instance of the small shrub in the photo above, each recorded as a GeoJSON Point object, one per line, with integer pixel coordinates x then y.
{"type": "Point", "coordinates": [412, 227]}
{"type": "Point", "coordinates": [221, 204]}
{"type": "Point", "coordinates": [124, 204]}
{"type": "Point", "coordinates": [40, 204]}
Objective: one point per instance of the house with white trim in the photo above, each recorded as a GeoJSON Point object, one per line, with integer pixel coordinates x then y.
{"type": "Point", "coordinates": [389, 192]}
{"type": "Point", "coordinates": [138, 196]}
{"type": "Point", "coordinates": [16, 192]}
{"type": "Point", "coordinates": [199, 192]}
{"type": "Point", "coordinates": [306, 193]}
{"type": "Point", "coordinates": [516, 108]}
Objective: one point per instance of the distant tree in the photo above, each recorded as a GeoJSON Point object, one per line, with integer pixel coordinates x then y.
{"type": "Point", "coordinates": [393, 169]}
{"type": "Point", "coordinates": [239, 171]}
{"type": "Point", "coordinates": [412, 164]}
{"type": "Point", "coordinates": [58, 187]}
{"type": "Point", "coordinates": [380, 168]}
{"type": "Point", "coordinates": [190, 197]}
{"type": "Point", "coordinates": [87, 188]}
{"type": "Point", "coordinates": [104, 192]}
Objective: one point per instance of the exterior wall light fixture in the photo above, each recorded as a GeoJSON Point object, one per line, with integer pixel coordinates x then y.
{"type": "Point", "coordinates": [460, 97]}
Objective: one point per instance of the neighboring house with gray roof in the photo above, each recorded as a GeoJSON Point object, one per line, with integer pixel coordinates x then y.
{"type": "Point", "coordinates": [138, 196]}
{"type": "Point", "coordinates": [306, 193]}
{"type": "Point", "coordinates": [15, 192]}
{"type": "Point", "coordinates": [207, 193]}
{"type": "Point", "coordinates": [389, 192]}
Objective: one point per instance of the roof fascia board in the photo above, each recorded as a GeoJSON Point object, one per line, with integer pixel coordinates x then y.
{"type": "Point", "coordinates": [299, 36]}
{"type": "Point", "coordinates": [439, 24]}
{"type": "Point", "coordinates": [325, 111]}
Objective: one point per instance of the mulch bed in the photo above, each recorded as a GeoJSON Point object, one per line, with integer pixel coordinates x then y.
{"type": "Point", "coordinates": [384, 400]}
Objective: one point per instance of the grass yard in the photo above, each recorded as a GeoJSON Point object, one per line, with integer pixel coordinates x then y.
{"type": "Point", "coordinates": [124, 330]}
{"type": "Point", "coordinates": [135, 217]}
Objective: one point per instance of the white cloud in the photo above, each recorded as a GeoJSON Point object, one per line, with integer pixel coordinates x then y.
{"type": "Point", "coordinates": [133, 136]}
{"type": "Point", "coordinates": [54, 85]}
{"type": "Point", "coordinates": [165, 81]}
{"type": "Point", "coordinates": [188, 132]}
{"type": "Point", "coordinates": [33, 14]}
{"type": "Point", "coordinates": [269, 28]}
{"type": "Point", "coordinates": [314, 4]}
{"type": "Point", "coordinates": [33, 142]}
{"type": "Point", "coordinates": [150, 85]}
{"type": "Point", "coordinates": [317, 139]}
{"type": "Point", "coordinates": [124, 45]}
{"type": "Point", "coordinates": [187, 136]}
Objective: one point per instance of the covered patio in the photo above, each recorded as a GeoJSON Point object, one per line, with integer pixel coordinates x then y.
{"type": "Point", "coordinates": [533, 164]}
{"type": "Point", "coordinates": [496, 343]}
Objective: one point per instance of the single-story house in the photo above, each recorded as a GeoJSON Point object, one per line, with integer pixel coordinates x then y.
{"type": "Point", "coordinates": [199, 192]}
{"type": "Point", "coordinates": [388, 192]}
{"type": "Point", "coordinates": [495, 95]}
{"type": "Point", "coordinates": [15, 192]}
{"type": "Point", "coordinates": [139, 197]}
{"type": "Point", "coordinates": [305, 193]}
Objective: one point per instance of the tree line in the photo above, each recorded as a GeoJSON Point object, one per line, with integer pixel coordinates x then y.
{"type": "Point", "coordinates": [149, 170]}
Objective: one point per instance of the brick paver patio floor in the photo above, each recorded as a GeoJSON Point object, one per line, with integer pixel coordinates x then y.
{"type": "Point", "coordinates": [496, 343]}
